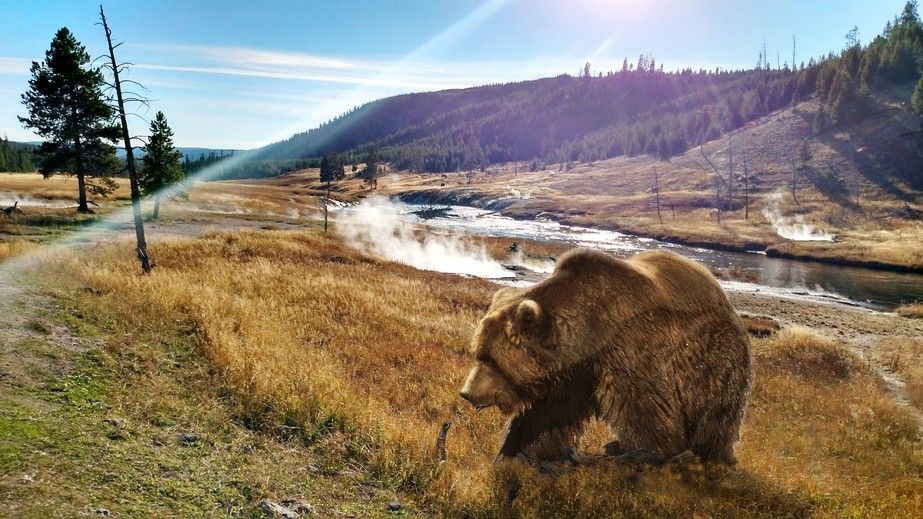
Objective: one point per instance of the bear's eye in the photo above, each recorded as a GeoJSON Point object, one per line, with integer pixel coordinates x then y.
{"type": "Point", "coordinates": [491, 363]}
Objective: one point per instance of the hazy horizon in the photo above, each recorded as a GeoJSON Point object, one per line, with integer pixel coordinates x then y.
{"type": "Point", "coordinates": [223, 87]}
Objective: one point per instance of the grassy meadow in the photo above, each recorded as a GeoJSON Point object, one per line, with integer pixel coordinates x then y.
{"type": "Point", "coordinates": [356, 362]}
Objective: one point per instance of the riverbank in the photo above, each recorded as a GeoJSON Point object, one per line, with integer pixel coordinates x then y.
{"type": "Point", "coordinates": [838, 203]}
{"type": "Point", "coordinates": [698, 230]}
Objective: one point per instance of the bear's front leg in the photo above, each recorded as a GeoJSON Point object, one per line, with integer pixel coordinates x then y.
{"type": "Point", "coordinates": [548, 429]}
{"type": "Point", "coordinates": [533, 439]}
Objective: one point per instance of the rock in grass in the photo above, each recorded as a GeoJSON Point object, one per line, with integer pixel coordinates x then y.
{"type": "Point", "coordinates": [190, 438]}
{"type": "Point", "coordinates": [299, 507]}
{"type": "Point", "coordinates": [285, 509]}
{"type": "Point", "coordinates": [115, 422]}
{"type": "Point", "coordinates": [394, 506]}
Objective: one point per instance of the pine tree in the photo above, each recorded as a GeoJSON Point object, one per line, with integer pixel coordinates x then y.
{"type": "Point", "coordinates": [917, 101]}
{"type": "Point", "coordinates": [67, 109]}
{"type": "Point", "coordinates": [162, 165]}
{"type": "Point", "coordinates": [370, 173]}
{"type": "Point", "coordinates": [331, 170]}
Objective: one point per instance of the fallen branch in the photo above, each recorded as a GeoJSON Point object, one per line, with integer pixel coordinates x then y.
{"type": "Point", "coordinates": [441, 450]}
{"type": "Point", "coordinates": [11, 209]}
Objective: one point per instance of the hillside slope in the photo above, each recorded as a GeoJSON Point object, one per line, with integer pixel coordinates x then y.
{"type": "Point", "coordinates": [637, 110]}
{"type": "Point", "coordinates": [861, 184]}
{"type": "Point", "coordinates": [644, 110]}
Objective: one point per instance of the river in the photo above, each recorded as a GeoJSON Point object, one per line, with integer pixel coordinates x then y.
{"type": "Point", "coordinates": [874, 289]}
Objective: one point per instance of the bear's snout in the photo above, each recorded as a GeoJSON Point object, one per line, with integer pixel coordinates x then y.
{"type": "Point", "coordinates": [464, 393]}
{"type": "Point", "coordinates": [483, 386]}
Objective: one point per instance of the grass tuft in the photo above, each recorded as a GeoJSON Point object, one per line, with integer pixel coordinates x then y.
{"type": "Point", "coordinates": [912, 310]}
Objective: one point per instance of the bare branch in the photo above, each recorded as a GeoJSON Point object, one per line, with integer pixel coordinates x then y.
{"type": "Point", "coordinates": [124, 81]}
{"type": "Point", "coordinates": [441, 452]}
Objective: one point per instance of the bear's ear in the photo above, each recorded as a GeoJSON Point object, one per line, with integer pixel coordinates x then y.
{"type": "Point", "coordinates": [528, 314]}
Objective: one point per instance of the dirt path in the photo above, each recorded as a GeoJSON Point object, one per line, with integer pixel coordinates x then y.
{"type": "Point", "coordinates": [32, 346]}
{"type": "Point", "coordinates": [35, 351]}
{"type": "Point", "coordinates": [861, 330]}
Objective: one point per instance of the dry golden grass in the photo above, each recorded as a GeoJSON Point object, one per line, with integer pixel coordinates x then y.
{"type": "Point", "coordinates": [57, 187]}
{"type": "Point", "coordinates": [33, 221]}
{"type": "Point", "coordinates": [912, 310]}
{"type": "Point", "coordinates": [312, 340]}
{"type": "Point", "coordinates": [11, 248]}
{"type": "Point", "coordinates": [904, 356]}
{"type": "Point", "coordinates": [759, 325]}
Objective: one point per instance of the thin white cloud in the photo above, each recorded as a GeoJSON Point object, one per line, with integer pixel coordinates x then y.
{"type": "Point", "coordinates": [307, 75]}
{"type": "Point", "coordinates": [259, 57]}
{"type": "Point", "coordinates": [17, 66]}
{"type": "Point", "coordinates": [422, 69]}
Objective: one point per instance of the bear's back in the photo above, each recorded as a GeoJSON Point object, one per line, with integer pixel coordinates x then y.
{"type": "Point", "coordinates": [661, 274]}
{"type": "Point", "coordinates": [687, 284]}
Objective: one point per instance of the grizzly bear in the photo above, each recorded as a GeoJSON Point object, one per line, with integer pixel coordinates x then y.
{"type": "Point", "coordinates": [649, 345]}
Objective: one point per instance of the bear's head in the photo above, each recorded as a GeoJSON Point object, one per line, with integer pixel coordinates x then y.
{"type": "Point", "coordinates": [514, 348]}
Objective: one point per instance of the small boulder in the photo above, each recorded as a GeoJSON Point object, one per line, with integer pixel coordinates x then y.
{"type": "Point", "coordinates": [285, 509]}
{"type": "Point", "coordinates": [115, 422]}
{"type": "Point", "coordinates": [190, 438]}
{"type": "Point", "coordinates": [394, 506]}
{"type": "Point", "coordinates": [299, 507]}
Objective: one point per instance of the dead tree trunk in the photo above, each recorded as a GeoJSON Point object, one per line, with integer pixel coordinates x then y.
{"type": "Point", "coordinates": [717, 182]}
{"type": "Point", "coordinates": [12, 209]}
{"type": "Point", "coordinates": [794, 180]}
{"type": "Point", "coordinates": [326, 205]}
{"type": "Point", "coordinates": [657, 194]}
{"type": "Point", "coordinates": [746, 191]}
{"type": "Point", "coordinates": [156, 214]}
{"type": "Point", "coordinates": [129, 154]}
{"type": "Point", "coordinates": [730, 174]}
{"type": "Point", "coordinates": [82, 206]}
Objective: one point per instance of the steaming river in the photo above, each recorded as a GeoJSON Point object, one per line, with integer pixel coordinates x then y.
{"type": "Point", "coordinates": [880, 290]}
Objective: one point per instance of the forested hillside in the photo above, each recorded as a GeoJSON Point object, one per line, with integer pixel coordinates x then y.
{"type": "Point", "coordinates": [15, 156]}
{"type": "Point", "coordinates": [639, 109]}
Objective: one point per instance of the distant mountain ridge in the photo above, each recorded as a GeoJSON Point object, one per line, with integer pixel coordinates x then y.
{"type": "Point", "coordinates": [639, 109]}
{"type": "Point", "coordinates": [191, 153]}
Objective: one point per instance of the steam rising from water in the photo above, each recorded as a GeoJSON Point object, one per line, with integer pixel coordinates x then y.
{"type": "Point", "coordinates": [541, 266]}
{"type": "Point", "coordinates": [792, 228]}
{"type": "Point", "coordinates": [515, 193]}
{"type": "Point", "coordinates": [376, 228]}
{"type": "Point", "coordinates": [8, 199]}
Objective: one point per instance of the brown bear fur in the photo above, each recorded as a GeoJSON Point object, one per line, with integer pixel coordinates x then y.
{"type": "Point", "coordinates": [650, 345]}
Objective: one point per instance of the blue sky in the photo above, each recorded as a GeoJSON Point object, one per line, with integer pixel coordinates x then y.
{"type": "Point", "coordinates": [232, 74]}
